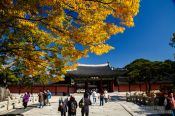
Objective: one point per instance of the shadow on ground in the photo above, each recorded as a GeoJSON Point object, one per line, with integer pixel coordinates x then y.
{"type": "Point", "coordinates": [118, 98]}
{"type": "Point", "coordinates": [19, 111]}
{"type": "Point", "coordinates": [12, 115]}
{"type": "Point", "coordinates": [123, 98]}
{"type": "Point", "coordinates": [159, 115]}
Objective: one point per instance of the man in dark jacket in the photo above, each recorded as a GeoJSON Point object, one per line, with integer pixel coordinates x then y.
{"type": "Point", "coordinates": [41, 99]}
{"type": "Point", "coordinates": [72, 106]}
{"type": "Point", "coordinates": [63, 106]}
{"type": "Point", "coordinates": [87, 94]}
{"type": "Point", "coordinates": [84, 104]}
{"type": "Point", "coordinates": [101, 99]}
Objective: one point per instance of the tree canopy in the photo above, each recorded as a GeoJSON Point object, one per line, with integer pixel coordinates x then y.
{"type": "Point", "coordinates": [148, 72]}
{"type": "Point", "coordinates": [42, 35]}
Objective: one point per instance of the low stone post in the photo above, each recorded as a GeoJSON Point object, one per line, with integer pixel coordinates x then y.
{"type": "Point", "coordinates": [8, 103]}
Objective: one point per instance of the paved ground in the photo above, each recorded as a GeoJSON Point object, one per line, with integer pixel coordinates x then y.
{"type": "Point", "coordinates": [116, 107]}
{"type": "Point", "coordinates": [113, 108]}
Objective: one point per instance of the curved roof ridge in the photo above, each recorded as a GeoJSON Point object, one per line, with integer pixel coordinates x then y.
{"type": "Point", "coordinates": [93, 65]}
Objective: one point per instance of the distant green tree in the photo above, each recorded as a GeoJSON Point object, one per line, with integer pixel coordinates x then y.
{"type": "Point", "coordinates": [133, 71]}
{"type": "Point", "coordinates": [142, 70]}
{"type": "Point", "coordinates": [172, 41]}
{"type": "Point", "coordinates": [133, 76]}
{"type": "Point", "coordinates": [168, 69]}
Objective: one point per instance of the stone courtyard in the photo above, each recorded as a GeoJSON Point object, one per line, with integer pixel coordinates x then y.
{"type": "Point", "coordinates": [112, 108]}
{"type": "Point", "coordinates": [117, 106]}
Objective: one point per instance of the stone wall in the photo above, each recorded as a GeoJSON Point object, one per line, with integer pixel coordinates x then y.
{"type": "Point", "coordinates": [16, 102]}
{"type": "Point", "coordinates": [4, 93]}
{"type": "Point", "coordinates": [56, 90]}
{"type": "Point", "coordinates": [135, 87]}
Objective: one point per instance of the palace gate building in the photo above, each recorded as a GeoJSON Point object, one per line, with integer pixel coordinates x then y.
{"type": "Point", "coordinates": [100, 77]}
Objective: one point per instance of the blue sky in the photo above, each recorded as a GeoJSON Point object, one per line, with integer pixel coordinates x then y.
{"type": "Point", "coordinates": [149, 39]}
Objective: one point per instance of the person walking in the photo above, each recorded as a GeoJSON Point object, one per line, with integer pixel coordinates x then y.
{"type": "Point", "coordinates": [72, 106]}
{"type": "Point", "coordinates": [84, 105]}
{"type": "Point", "coordinates": [166, 102]}
{"type": "Point", "coordinates": [26, 99]}
{"type": "Point", "coordinates": [45, 97]}
{"type": "Point", "coordinates": [86, 93]}
{"type": "Point", "coordinates": [94, 96]}
{"type": "Point", "coordinates": [41, 99]}
{"type": "Point", "coordinates": [172, 103]}
{"type": "Point", "coordinates": [63, 106]}
{"type": "Point", "coordinates": [106, 96]}
{"type": "Point", "coordinates": [101, 98]}
{"type": "Point", "coordinates": [49, 95]}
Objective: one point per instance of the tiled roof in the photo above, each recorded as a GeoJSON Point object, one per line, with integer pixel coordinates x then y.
{"type": "Point", "coordinates": [93, 70]}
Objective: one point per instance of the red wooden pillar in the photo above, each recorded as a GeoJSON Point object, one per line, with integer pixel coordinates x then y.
{"type": "Point", "coordinates": [101, 86]}
{"type": "Point", "coordinates": [109, 86]}
{"type": "Point", "coordinates": [112, 86]}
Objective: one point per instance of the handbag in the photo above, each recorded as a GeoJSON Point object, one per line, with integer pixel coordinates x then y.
{"type": "Point", "coordinates": [172, 104]}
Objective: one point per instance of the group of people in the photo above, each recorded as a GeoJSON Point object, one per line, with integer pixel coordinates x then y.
{"type": "Point", "coordinates": [70, 105]}
{"type": "Point", "coordinates": [103, 97]}
{"type": "Point", "coordinates": [44, 98]}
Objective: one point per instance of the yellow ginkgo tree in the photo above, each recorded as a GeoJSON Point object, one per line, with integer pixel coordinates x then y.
{"type": "Point", "coordinates": [43, 35]}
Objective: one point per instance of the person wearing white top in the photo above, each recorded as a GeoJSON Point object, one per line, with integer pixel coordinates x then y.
{"type": "Point", "coordinates": [106, 96]}
{"type": "Point", "coordinates": [94, 96]}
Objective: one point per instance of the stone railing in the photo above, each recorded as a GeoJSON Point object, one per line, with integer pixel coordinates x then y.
{"type": "Point", "coordinates": [141, 98]}
{"type": "Point", "coordinates": [148, 103]}
{"type": "Point", "coordinates": [16, 102]}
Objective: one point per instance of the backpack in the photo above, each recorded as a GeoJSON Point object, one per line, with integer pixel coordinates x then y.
{"type": "Point", "coordinates": [165, 102]}
{"type": "Point", "coordinates": [60, 107]}
{"type": "Point", "coordinates": [72, 107]}
{"type": "Point", "coordinates": [81, 103]}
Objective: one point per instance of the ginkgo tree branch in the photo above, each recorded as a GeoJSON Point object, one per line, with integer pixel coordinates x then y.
{"type": "Point", "coordinates": [30, 19]}
{"type": "Point", "coordinates": [101, 1]}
